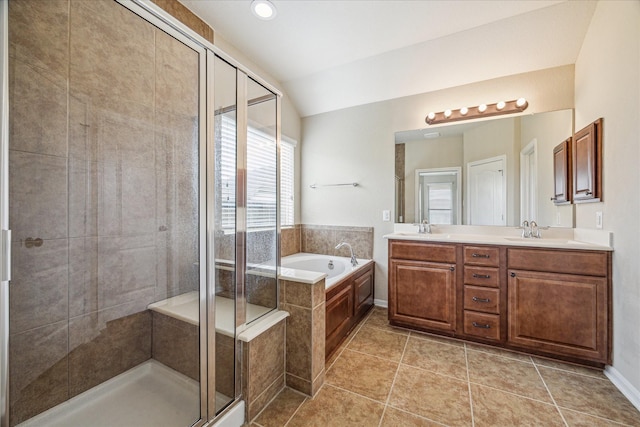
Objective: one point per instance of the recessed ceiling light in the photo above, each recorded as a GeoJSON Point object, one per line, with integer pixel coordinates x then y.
{"type": "Point", "coordinates": [263, 9]}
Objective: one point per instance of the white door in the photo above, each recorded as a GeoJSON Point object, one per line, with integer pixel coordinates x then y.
{"type": "Point", "coordinates": [487, 190]}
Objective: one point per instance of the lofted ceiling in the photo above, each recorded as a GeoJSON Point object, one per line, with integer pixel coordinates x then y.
{"type": "Point", "coordinates": [329, 55]}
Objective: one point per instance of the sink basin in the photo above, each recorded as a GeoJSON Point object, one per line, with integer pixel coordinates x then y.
{"type": "Point", "coordinates": [544, 241]}
{"type": "Point", "coordinates": [425, 235]}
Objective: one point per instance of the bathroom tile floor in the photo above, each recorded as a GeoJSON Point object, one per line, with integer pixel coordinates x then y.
{"type": "Point", "coordinates": [387, 376]}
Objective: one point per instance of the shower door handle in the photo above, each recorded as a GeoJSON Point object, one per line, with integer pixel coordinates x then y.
{"type": "Point", "coordinates": [5, 262]}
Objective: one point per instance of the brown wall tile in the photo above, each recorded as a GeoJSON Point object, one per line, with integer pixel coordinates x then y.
{"type": "Point", "coordinates": [298, 341]}
{"type": "Point", "coordinates": [225, 365]}
{"type": "Point", "coordinates": [176, 344]}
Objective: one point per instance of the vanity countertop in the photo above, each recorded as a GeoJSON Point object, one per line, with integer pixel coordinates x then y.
{"type": "Point", "coordinates": [562, 238]}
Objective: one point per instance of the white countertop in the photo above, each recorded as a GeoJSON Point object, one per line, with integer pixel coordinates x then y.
{"type": "Point", "coordinates": [557, 238]}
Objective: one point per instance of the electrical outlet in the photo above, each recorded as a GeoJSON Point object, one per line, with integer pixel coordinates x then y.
{"type": "Point", "coordinates": [599, 219]}
{"type": "Point", "coordinates": [386, 215]}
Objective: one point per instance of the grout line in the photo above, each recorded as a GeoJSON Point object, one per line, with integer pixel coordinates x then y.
{"type": "Point", "coordinates": [466, 361]}
{"type": "Point", "coordinates": [393, 383]}
{"type": "Point", "coordinates": [298, 408]}
{"type": "Point", "coordinates": [603, 378]}
{"type": "Point", "coordinates": [550, 395]}
{"type": "Point", "coordinates": [596, 416]}
{"type": "Point", "coordinates": [418, 416]}
{"type": "Point", "coordinates": [440, 374]}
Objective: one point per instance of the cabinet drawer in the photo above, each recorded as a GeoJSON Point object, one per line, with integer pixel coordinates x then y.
{"type": "Point", "coordinates": [419, 251]}
{"type": "Point", "coordinates": [561, 261]}
{"type": "Point", "coordinates": [482, 255]}
{"type": "Point", "coordinates": [482, 299]}
{"type": "Point", "coordinates": [482, 276]}
{"type": "Point", "coordinates": [482, 325]}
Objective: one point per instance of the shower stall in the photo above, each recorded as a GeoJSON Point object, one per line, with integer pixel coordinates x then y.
{"type": "Point", "coordinates": [139, 182]}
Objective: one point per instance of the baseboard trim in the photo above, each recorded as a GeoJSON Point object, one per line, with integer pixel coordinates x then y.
{"type": "Point", "coordinates": [381, 303]}
{"type": "Point", "coordinates": [625, 387]}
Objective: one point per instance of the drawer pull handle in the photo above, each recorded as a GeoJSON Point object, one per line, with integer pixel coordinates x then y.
{"type": "Point", "coordinates": [480, 255]}
{"type": "Point", "coordinates": [478, 299]}
{"type": "Point", "coordinates": [481, 276]}
{"type": "Point", "coordinates": [478, 325]}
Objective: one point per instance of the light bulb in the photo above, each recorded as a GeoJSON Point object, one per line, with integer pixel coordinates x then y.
{"type": "Point", "coordinates": [447, 113]}
{"type": "Point", "coordinates": [482, 108]}
{"type": "Point", "coordinates": [464, 111]}
{"type": "Point", "coordinates": [500, 105]}
{"type": "Point", "coordinates": [431, 115]}
{"type": "Point", "coordinates": [521, 102]}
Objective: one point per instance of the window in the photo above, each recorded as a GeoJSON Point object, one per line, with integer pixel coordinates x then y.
{"type": "Point", "coordinates": [261, 188]}
{"type": "Point", "coordinates": [287, 179]}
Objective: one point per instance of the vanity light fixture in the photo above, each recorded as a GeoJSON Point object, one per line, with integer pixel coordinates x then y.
{"type": "Point", "coordinates": [483, 110]}
{"type": "Point", "coordinates": [263, 9]}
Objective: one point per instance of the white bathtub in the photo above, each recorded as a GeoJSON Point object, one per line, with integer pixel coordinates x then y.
{"type": "Point", "coordinates": [336, 268]}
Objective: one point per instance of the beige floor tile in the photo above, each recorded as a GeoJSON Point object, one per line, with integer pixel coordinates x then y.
{"type": "Point", "coordinates": [436, 397]}
{"type": "Point", "coordinates": [280, 410]}
{"type": "Point", "coordinates": [492, 407]}
{"type": "Point", "coordinates": [556, 364]}
{"type": "Point", "coordinates": [379, 319]}
{"type": "Point", "coordinates": [377, 342]}
{"type": "Point", "coordinates": [361, 373]}
{"type": "Point", "coordinates": [589, 395]}
{"type": "Point", "coordinates": [438, 338]}
{"type": "Point", "coordinates": [506, 374]}
{"type": "Point", "coordinates": [499, 352]}
{"type": "Point", "coordinates": [337, 408]}
{"type": "Point", "coordinates": [578, 419]}
{"type": "Point", "coordinates": [437, 357]}
{"type": "Point", "coordinates": [396, 418]}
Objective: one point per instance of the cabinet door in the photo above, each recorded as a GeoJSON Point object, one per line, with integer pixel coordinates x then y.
{"type": "Point", "coordinates": [423, 294]}
{"type": "Point", "coordinates": [339, 312]}
{"type": "Point", "coordinates": [363, 292]}
{"type": "Point", "coordinates": [559, 313]}
{"type": "Point", "coordinates": [562, 173]}
{"type": "Point", "coordinates": [587, 163]}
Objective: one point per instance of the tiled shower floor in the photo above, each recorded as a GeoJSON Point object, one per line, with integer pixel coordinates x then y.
{"type": "Point", "coordinates": [386, 376]}
{"type": "Point", "coordinates": [148, 395]}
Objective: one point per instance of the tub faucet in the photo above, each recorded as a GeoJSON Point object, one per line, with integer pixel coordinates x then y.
{"type": "Point", "coordinates": [354, 261]}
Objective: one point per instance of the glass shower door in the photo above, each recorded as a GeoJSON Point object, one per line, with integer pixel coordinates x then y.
{"type": "Point", "coordinates": [106, 211]}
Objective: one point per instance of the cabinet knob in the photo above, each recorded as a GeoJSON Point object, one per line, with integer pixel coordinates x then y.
{"type": "Point", "coordinates": [513, 274]}
{"type": "Point", "coordinates": [452, 268]}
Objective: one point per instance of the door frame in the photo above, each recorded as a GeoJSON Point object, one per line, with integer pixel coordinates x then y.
{"type": "Point", "coordinates": [529, 181]}
{"type": "Point", "coordinates": [457, 170]}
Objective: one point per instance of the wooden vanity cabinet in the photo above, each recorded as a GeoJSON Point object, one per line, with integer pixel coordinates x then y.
{"type": "Point", "coordinates": [346, 303]}
{"type": "Point", "coordinates": [422, 285]}
{"type": "Point", "coordinates": [550, 302]}
{"type": "Point", "coordinates": [559, 302]}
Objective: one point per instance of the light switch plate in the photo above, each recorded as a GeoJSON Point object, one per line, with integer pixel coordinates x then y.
{"type": "Point", "coordinates": [386, 215]}
{"type": "Point", "coordinates": [599, 219]}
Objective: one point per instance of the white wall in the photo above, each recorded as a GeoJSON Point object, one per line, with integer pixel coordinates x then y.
{"type": "Point", "coordinates": [357, 144]}
{"type": "Point", "coordinates": [607, 85]}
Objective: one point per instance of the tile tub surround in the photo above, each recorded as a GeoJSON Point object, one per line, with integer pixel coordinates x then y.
{"type": "Point", "coordinates": [322, 239]}
{"type": "Point", "coordinates": [305, 334]}
{"type": "Point", "coordinates": [387, 376]}
{"type": "Point", "coordinates": [263, 367]}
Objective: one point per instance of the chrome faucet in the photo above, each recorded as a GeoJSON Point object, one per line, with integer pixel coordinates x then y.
{"type": "Point", "coordinates": [424, 227]}
{"type": "Point", "coordinates": [526, 229]}
{"type": "Point", "coordinates": [354, 261]}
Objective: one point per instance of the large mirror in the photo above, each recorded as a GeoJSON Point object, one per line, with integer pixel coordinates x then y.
{"type": "Point", "coordinates": [493, 172]}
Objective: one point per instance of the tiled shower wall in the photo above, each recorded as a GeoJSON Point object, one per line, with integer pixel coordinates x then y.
{"type": "Point", "coordinates": [103, 192]}
{"type": "Point", "coordinates": [322, 239]}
